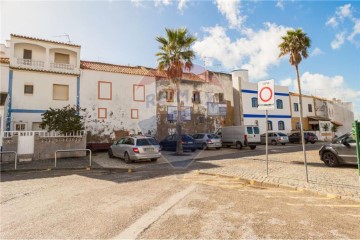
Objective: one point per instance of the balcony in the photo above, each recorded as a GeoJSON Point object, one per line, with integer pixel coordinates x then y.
{"type": "Point", "coordinates": [30, 63]}
{"type": "Point", "coordinates": [63, 66]}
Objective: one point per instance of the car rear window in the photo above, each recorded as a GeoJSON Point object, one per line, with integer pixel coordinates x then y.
{"type": "Point", "coordinates": [282, 134]}
{"type": "Point", "coordinates": [186, 138]}
{"type": "Point", "coordinates": [256, 130]}
{"type": "Point", "coordinates": [146, 142]}
{"type": "Point", "coordinates": [250, 130]}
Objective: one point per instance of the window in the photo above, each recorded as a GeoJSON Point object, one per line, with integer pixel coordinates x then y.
{"type": "Point", "coordinates": [102, 112]}
{"type": "Point", "coordinates": [138, 93]}
{"type": "Point", "coordinates": [297, 125]}
{"type": "Point", "coordinates": [60, 92]}
{"type": "Point", "coordinates": [279, 104]}
{"type": "Point", "coordinates": [296, 107]}
{"type": "Point", "coordinates": [310, 107]}
{"type": "Point", "coordinates": [169, 95]}
{"type": "Point", "coordinates": [62, 58]}
{"type": "Point", "coordinates": [196, 97]}
{"type": "Point", "coordinates": [104, 90]}
{"type": "Point", "coordinates": [270, 127]}
{"type": "Point", "coordinates": [281, 125]}
{"type": "Point", "coordinates": [249, 130]}
{"type": "Point", "coordinates": [28, 89]}
{"type": "Point", "coordinates": [254, 102]}
{"type": "Point", "coordinates": [219, 97]}
{"type": "Point", "coordinates": [27, 54]}
{"type": "Point", "coordinates": [134, 113]}
{"type": "Point", "coordinates": [36, 126]}
{"type": "Point", "coordinates": [3, 97]}
{"type": "Point", "coordinates": [256, 130]}
{"type": "Point", "coordinates": [20, 126]}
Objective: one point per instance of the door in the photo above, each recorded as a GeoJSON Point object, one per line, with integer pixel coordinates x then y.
{"type": "Point", "coordinates": [253, 134]}
{"type": "Point", "coordinates": [117, 148]}
{"type": "Point", "coordinates": [347, 150]}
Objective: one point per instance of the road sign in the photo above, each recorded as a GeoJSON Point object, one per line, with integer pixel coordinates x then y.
{"type": "Point", "coordinates": [266, 95]}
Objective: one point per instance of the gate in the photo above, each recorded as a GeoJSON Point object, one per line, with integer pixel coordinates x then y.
{"type": "Point", "coordinates": [26, 142]}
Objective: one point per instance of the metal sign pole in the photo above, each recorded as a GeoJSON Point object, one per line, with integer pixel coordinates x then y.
{"type": "Point", "coordinates": [266, 142]}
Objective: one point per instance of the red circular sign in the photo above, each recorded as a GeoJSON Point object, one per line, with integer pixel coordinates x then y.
{"type": "Point", "coordinates": [267, 99]}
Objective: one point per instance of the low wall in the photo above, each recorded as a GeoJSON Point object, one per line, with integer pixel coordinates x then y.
{"type": "Point", "coordinates": [45, 147]}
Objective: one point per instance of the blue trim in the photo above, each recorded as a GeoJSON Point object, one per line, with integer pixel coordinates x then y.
{"type": "Point", "coordinates": [78, 91]}
{"type": "Point", "coordinates": [264, 116]}
{"type": "Point", "coordinates": [27, 111]}
{"type": "Point", "coordinates": [10, 100]}
{"type": "Point", "coordinates": [255, 92]}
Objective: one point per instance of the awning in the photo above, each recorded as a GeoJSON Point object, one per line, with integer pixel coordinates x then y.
{"type": "Point", "coordinates": [316, 118]}
{"type": "Point", "coordinates": [336, 123]}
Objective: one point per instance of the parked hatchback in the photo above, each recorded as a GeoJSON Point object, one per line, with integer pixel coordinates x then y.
{"type": "Point", "coordinates": [308, 137]}
{"type": "Point", "coordinates": [207, 140]}
{"type": "Point", "coordinates": [341, 150]}
{"type": "Point", "coordinates": [169, 143]}
{"type": "Point", "coordinates": [135, 148]}
{"type": "Point", "coordinates": [274, 138]}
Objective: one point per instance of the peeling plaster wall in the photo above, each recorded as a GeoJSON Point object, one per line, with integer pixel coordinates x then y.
{"type": "Point", "coordinates": [118, 119]}
{"type": "Point", "coordinates": [200, 120]}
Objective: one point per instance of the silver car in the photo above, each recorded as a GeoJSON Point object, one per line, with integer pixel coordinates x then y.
{"type": "Point", "coordinates": [341, 150]}
{"type": "Point", "coordinates": [135, 148]}
{"type": "Point", "coordinates": [274, 138]}
{"type": "Point", "coordinates": [207, 140]}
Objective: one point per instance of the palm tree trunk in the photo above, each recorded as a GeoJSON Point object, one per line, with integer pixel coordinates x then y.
{"type": "Point", "coordinates": [179, 146]}
{"type": "Point", "coordinates": [301, 122]}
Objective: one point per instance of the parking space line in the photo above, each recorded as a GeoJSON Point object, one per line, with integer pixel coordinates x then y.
{"type": "Point", "coordinates": [324, 205]}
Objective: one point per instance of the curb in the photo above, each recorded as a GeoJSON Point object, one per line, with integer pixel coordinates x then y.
{"type": "Point", "coordinates": [253, 182]}
{"type": "Point", "coordinates": [129, 170]}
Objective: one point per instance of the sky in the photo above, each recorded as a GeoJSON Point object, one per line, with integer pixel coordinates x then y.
{"type": "Point", "coordinates": [231, 34]}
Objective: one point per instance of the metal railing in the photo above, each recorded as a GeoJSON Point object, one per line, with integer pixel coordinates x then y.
{"type": "Point", "coordinates": [8, 134]}
{"type": "Point", "coordinates": [15, 153]}
{"type": "Point", "coordinates": [30, 62]}
{"type": "Point", "coordinates": [62, 66]}
{"type": "Point", "coordinates": [73, 150]}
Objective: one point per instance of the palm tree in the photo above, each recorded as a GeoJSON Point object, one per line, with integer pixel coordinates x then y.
{"type": "Point", "coordinates": [296, 43]}
{"type": "Point", "coordinates": [174, 57]}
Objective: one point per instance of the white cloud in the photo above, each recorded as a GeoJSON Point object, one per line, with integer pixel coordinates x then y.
{"type": "Point", "coordinates": [280, 4]}
{"type": "Point", "coordinates": [256, 51]}
{"type": "Point", "coordinates": [344, 11]}
{"type": "Point", "coordinates": [182, 4]}
{"type": "Point", "coordinates": [286, 82]}
{"type": "Point", "coordinates": [338, 41]}
{"type": "Point", "coordinates": [332, 22]}
{"type": "Point", "coordinates": [160, 3]}
{"type": "Point", "coordinates": [316, 52]}
{"type": "Point", "coordinates": [231, 10]}
{"type": "Point", "coordinates": [137, 3]}
{"type": "Point", "coordinates": [356, 30]}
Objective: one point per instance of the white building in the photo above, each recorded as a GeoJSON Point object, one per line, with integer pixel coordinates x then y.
{"type": "Point", "coordinates": [279, 119]}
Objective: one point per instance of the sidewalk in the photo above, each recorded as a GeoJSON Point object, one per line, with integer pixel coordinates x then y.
{"type": "Point", "coordinates": [287, 170]}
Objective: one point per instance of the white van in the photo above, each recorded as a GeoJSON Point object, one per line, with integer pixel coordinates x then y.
{"type": "Point", "coordinates": [240, 136]}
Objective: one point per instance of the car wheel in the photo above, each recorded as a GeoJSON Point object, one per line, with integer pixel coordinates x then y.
{"type": "Point", "coordinates": [110, 153]}
{"type": "Point", "coordinates": [273, 142]}
{"type": "Point", "coordinates": [330, 159]}
{"type": "Point", "coordinates": [252, 147]}
{"type": "Point", "coordinates": [154, 159]}
{"type": "Point", "coordinates": [204, 146]}
{"type": "Point", "coordinates": [239, 145]}
{"type": "Point", "coordinates": [127, 158]}
{"type": "Point", "coordinates": [283, 144]}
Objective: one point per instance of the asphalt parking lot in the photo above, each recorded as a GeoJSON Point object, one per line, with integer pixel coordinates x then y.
{"type": "Point", "coordinates": [99, 204]}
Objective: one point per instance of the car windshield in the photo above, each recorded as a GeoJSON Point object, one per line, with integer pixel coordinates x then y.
{"type": "Point", "coordinates": [338, 139]}
{"type": "Point", "coordinates": [212, 136]}
{"type": "Point", "coordinates": [146, 142]}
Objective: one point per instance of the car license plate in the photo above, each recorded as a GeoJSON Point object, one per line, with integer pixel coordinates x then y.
{"type": "Point", "coordinates": [189, 142]}
{"type": "Point", "coordinates": [148, 149]}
